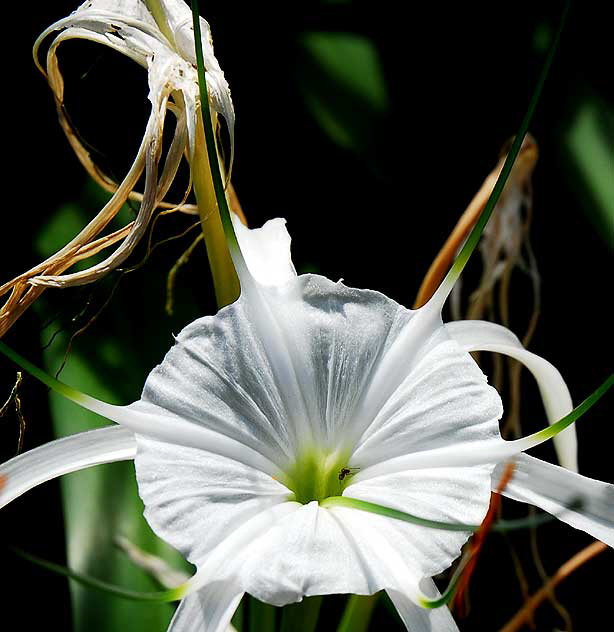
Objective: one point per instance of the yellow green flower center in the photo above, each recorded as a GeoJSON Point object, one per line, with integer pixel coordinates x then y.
{"type": "Point", "coordinates": [317, 476]}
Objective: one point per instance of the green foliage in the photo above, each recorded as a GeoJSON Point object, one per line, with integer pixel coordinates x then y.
{"type": "Point", "coordinates": [589, 152]}
{"type": "Point", "coordinates": [102, 503]}
{"type": "Point", "coordinates": [344, 88]}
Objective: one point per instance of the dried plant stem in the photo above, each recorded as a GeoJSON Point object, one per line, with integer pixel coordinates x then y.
{"type": "Point", "coordinates": [14, 397]}
{"type": "Point", "coordinates": [526, 612]}
{"type": "Point", "coordinates": [170, 279]}
{"type": "Point", "coordinates": [225, 280]}
{"type": "Point", "coordinates": [521, 171]}
{"type": "Point", "coordinates": [479, 538]}
{"type": "Point", "coordinates": [445, 257]}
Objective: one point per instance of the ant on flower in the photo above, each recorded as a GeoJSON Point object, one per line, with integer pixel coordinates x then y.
{"type": "Point", "coordinates": [347, 471]}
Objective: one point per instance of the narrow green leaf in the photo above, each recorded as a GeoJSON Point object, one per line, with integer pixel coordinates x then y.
{"type": "Point", "coordinates": [589, 144]}
{"type": "Point", "coordinates": [101, 503]}
{"type": "Point", "coordinates": [262, 617]}
{"type": "Point", "coordinates": [575, 414]}
{"type": "Point", "coordinates": [395, 514]}
{"type": "Point", "coordinates": [302, 616]}
{"type": "Point", "coordinates": [357, 614]}
{"type": "Point", "coordinates": [87, 581]}
{"type": "Point", "coordinates": [218, 184]}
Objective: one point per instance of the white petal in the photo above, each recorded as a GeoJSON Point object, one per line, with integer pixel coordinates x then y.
{"type": "Point", "coordinates": [225, 562]}
{"type": "Point", "coordinates": [582, 502]}
{"type": "Point", "coordinates": [266, 251]}
{"type": "Point", "coordinates": [234, 525]}
{"type": "Point", "coordinates": [315, 551]}
{"type": "Point", "coordinates": [444, 401]}
{"type": "Point", "coordinates": [62, 456]}
{"type": "Point", "coordinates": [417, 619]}
{"type": "Point", "coordinates": [483, 336]}
{"type": "Point", "coordinates": [194, 500]}
{"type": "Point", "coordinates": [146, 418]}
{"type": "Point", "coordinates": [277, 368]}
{"type": "Point", "coordinates": [415, 333]}
{"type": "Point", "coordinates": [454, 494]}
{"type": "Point", "coordinates": [208, 610]}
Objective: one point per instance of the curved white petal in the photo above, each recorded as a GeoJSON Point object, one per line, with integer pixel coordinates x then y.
{"type": "Point", "coordinates": [208, 610]}
{"type": "Point", "coordinates": [443, 401]}
{"type": "Point", "coordinates": [194, 500]}
{"type": "Point", "coordinates": [147, 418]}
{"type": "Point", "coordinates": [582, 502]}
{"type": "Point", "coordinates": [277, 370]}
{"type": "Point", "coordinates": [443, 494]}
{"type": "Point", "coordinates": [417, 619]}
{"type": "Point", "coordinates": [62, 456]}
{"type": "Point", "coordinates": [315, 551]}
{"type": "Point", "coordinates": [414, 334]}
{"type": "Point", "coordinates": [234, 523]}
{"type": "Point", "coordinates": [266, 251]}
{"type": "Point", "coordinates": [477, 335]}
{"type": "Point", "coordinates": [129, 27]}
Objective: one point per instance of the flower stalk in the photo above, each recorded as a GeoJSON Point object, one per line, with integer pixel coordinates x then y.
{"type": "Point", "coordinates": [225, 278]}
{"type": "Point", "coordinates": [301, 617]}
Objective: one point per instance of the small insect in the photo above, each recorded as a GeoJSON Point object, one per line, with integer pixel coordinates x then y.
{"type": "Point", "coordinates": [347, 471]}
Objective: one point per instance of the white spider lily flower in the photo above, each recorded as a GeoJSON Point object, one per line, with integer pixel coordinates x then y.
{"type": "Point", "coordinates": [301, 391]}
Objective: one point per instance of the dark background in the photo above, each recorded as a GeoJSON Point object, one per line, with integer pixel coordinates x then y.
{"type": "Point", "coordinates": [458, 79]}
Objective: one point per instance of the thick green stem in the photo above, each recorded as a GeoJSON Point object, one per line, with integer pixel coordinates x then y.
{"type": "Point", "coordinates": [225, 278]}
{"type": "Point", "coordinates": [357, 613]}
{"type": "Point", "coordinates": [262, 617]}
{"type": "Point", "coordinates": [205, 173]}
{"type": "Point", "coordinates": [301, 617]}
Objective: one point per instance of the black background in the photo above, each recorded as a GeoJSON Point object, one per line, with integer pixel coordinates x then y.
{"type": "Point", "coordinates": [459, 79]}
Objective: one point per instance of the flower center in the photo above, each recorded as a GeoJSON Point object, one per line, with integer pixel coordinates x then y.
{"type": "Point", "coordinates": [317, 476]}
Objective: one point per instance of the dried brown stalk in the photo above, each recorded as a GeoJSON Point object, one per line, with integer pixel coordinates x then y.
{"type": "Point", "coordinates": [479, 537]}
{"type": "Point", "coordinates": [526, 612]}
{"type": "Point", "coordinates": [14, 397]}
{"type": "Point", "coordinates": [521, 172]}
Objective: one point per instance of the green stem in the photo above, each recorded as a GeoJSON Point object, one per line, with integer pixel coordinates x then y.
{"type": "Point", "coordinates": [262, 617]}
{"type": "Point", "coordinates": [301, 617]}
{"type": "Point", "coordinates": [162, 596]}
{"type": "Point", "coordinates": [450, 591]}
{"type": "Point", "coordinates": [225, 280]}
{"type": "Point", "coordinates": [204, 167]}
{"type": "Point", "coordinates": [216, 175]}
{"type": "Point", "coordinates": [357, 613]}
{"type": "Point", "coordinates": [575, 414]}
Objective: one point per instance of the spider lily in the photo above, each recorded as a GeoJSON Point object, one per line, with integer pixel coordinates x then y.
{"type": "Point", "coordinates": [303, 391]}
{"type": "Point", "coordinates": [158, 35]}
